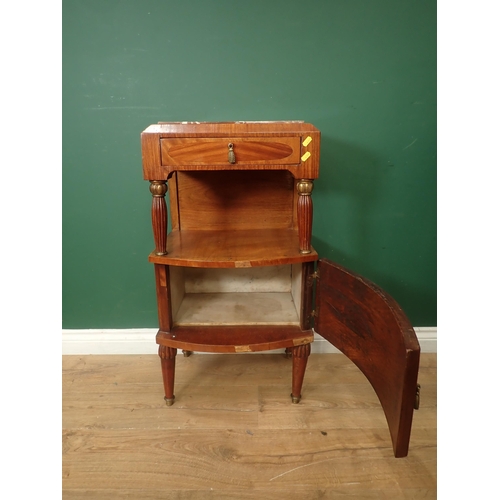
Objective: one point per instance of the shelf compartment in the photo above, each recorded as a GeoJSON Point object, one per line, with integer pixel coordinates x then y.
{"type": "Point", "coordinates": [253, 308]}
{"type": "Point", "coordinates": [239, 248]}
{"type": "Point", "coordinates": [233, 339]}
{"type": "Point", "coordinates": [234, 297]}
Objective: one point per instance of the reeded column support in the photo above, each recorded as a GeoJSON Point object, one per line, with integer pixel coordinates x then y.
{"type": "Point", "coordinates": [305, 214]}
{"type": "Point", "coordinates": [167, 357]}
{"type": "Point", "coordinates": [159, 216]}
{"type": "Point", "coordinates": [300, 355]}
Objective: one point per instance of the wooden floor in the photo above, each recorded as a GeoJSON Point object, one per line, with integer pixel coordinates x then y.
{"type": "Point", "coordinates": [233, 432]}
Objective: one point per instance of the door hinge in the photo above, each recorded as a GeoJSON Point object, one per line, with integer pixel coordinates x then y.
{"type": "Point", "coordinates": [312, 277]}
{"type": "Point", "coordinates": [417, 398]}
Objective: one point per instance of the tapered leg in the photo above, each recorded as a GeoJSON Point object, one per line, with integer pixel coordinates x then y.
{"type": "Point", "coordinates": [300, 355]}
{"type": "Point", "coordinates": [167, 357]}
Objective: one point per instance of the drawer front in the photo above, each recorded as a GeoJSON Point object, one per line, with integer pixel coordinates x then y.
{"type": "Point", "coordinates": [217, 151]}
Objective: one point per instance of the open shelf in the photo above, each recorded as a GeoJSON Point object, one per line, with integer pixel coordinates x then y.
{"type": "Point", "coordinates": [233, 248]}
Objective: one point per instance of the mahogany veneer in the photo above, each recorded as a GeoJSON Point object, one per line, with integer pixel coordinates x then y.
{"type": "Point", "coordinates": [237, 272]}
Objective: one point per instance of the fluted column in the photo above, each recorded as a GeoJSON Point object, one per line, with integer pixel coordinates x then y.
{"type": "Point", "coordinates": [305, 214]}
{"type": "Point", "coordinates": [300, 355]}
{"type": "Point", "coordinates": [167, 357]}
{"type": "Point", "coordinates": [159, 216]}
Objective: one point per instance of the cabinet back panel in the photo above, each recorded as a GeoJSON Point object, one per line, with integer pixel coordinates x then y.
{"type": "Point", "coordinates": [251, 279]}
{"type": "Point", "coordinates": [235, 200]}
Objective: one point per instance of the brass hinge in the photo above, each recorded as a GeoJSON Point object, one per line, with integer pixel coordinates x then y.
{"type": "Point", "coordinates": [312, 277]}
{"type": "Point", "coordinates": [417, 398]}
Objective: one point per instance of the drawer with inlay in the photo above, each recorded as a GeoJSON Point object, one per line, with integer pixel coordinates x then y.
{"type": "Point", "coordinates": [191, 146]}
{"type": "Point", "coordinates": [230, 151]}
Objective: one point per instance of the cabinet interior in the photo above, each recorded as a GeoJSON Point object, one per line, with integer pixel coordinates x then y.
{"type": "Point", "coordinates": [269, 295]}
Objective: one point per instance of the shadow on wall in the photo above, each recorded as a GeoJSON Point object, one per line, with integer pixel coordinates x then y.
{"type": "Point", "coordinates": [413, 299]}
{"type": "Point", "coordinates": [343, 196]}
{"type": "Point", "coordinates": [349, 212]}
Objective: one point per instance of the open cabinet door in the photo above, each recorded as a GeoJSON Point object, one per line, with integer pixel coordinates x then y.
{"type": "Point", "coordinates": [370, 328]}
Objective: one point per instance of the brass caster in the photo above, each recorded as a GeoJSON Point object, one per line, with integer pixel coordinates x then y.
{"type": "Point", "coordinates": [295, 399]}
{"type": "Point", "coordinates": [169, 401]}
{"type": "Point", "coordinates": [187, 353]}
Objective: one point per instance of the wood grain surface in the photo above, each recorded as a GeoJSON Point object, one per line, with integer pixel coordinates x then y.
{"type": "Point", "coordinates": [233, 432]}
{"type": "Point", "coordinates": [159, 164]}
{"type": "Point", "coordinates": [245, 248]}
{"type": "Point", "coordinates": [234, 200]}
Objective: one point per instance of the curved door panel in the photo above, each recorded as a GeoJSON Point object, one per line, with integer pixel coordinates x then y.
{"type": "Point", "coordinates": [370, 328]}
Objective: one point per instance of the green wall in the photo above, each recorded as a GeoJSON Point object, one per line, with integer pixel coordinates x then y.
{"type": "Point", "coordinates": [362, 71]}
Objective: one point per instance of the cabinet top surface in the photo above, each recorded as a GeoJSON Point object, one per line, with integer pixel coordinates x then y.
{"type": "Point", "coordinates": [230, 128]}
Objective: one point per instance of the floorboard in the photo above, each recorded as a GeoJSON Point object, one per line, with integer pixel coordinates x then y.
{"type": "Point", "coordinates": [233, 432]}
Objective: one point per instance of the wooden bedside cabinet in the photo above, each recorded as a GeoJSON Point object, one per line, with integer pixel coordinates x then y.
{"type": "Point", "coordinates": [237, 272]}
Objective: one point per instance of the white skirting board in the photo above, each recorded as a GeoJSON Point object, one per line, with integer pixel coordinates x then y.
{"type": "Point", "coordinates": [142, 341]}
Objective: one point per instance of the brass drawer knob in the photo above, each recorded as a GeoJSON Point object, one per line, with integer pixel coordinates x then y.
{"type": "Point", "coordinates": [231, 158]}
